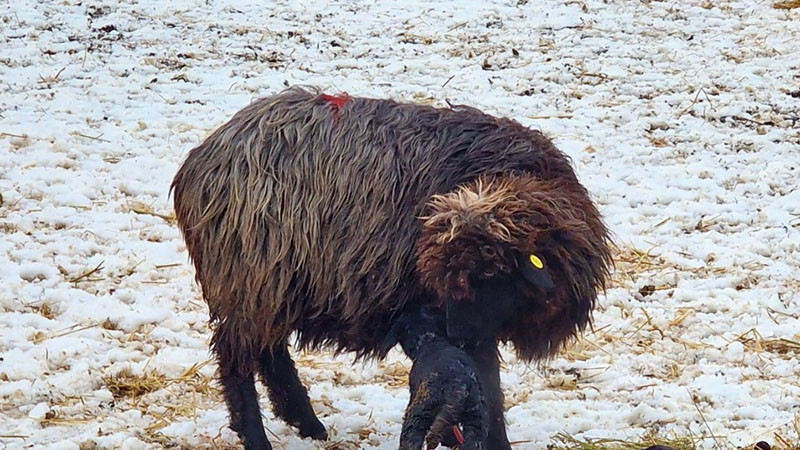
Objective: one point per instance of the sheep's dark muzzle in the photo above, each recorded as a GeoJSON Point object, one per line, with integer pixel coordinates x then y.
{"type": "Point", "coordinates": [479, 320]}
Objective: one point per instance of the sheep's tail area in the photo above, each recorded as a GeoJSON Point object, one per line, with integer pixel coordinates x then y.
{"type": "Point", "coordinates": [276, 202]}
{"type": "Point", "coordinates": [221, 196]}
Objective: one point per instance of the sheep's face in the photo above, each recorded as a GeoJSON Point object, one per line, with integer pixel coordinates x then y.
{"type": "Point", "coordinates": [514, 258]}
{"type": "Point", "coordinates": [497, 299]}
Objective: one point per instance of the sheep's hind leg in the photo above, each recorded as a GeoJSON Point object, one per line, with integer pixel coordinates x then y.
{"type": "Point", "coordinates": [288, 395]}
{"type": "Point", "coordinates": [242, 400]}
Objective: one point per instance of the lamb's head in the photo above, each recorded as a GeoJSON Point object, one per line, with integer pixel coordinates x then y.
{"type": "Point", "coordinates": [515, 258]}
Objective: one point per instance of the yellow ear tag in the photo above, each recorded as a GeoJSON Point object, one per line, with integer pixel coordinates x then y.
{"type": "Point", "coordinates": [536, 262]}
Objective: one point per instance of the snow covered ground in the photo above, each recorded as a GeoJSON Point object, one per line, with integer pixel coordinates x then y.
{"type": "Point", "coordinates": [683, 119]}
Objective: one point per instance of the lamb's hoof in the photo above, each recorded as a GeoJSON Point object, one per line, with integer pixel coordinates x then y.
{"type": "Point", "coordinates": [449, 438]}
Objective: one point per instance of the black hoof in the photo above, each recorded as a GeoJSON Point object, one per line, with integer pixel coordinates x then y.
{"type": "Point", "coordinates": [315, 431]}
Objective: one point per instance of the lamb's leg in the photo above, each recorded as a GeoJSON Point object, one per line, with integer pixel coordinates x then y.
{"type": "Point", "coordinates": [487, 361]}
{"type": "Point", "coordinates": [449, 415]}
{"type": "Point", "coordinates": [419, 416]}
{"type": "Point", "coordinates": [288, 395]}
{"type": "Point", "coordinates": [462, 404]}
{"type": "Point", "coordinates": [473, 422]}
{"type": "Point", "coordinates": [241, 397]}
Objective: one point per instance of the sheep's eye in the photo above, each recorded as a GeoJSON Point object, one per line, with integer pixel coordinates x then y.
{"type": "Point", "coordinates": [536, 262]}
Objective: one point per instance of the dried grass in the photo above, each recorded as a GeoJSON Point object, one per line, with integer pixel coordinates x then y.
{"type": "Point", "coordinates": [56, 421]}
{"type": "Point", "coordinates": [86, 275]}
{"type": "Point", "coordinates": [565, 441]}
{"type": "Point", "coordinates": [8, 228]}
{"type": "Point", "coordinates": [45, 310]}
{"type": "Point", "coordinates": [127, 384]}
{"type": "Point", "coordinates": [752, 340]}
{"type": "Point", "coordinates": [633, 264]}
{"type": "Point", "coordinates": [394, 375]}
{"type": "Point", "coordinates": [169, 414]}
{"type": "Point", "coordinates": [159, 439]}
{"type": "Point", "coordinates": [343, 445]}
{"type": "Point", "coordinates": [40, 337]}
{"type": "Point", "coordinates": [789, 4]}
{"type": "Point", "coordinates": [98, 138]}
{"type": "Point", "coordinates": [145, 209]}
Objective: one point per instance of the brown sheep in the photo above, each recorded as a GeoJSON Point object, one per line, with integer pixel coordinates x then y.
{"type": "Point", "coordinates": [330, 216]}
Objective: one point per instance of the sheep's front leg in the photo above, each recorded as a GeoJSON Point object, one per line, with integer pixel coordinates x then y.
{"type": "Point", "coordinates": [288, 395]}
{"type": "Point", "coordinates": [487, 362]}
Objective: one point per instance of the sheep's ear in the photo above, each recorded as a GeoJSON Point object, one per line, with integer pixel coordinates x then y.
{"type": "Point", "coordinates": [534, 270]}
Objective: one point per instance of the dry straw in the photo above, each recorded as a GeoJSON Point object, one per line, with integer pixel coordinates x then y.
{"type": "Point", "coordinates": [565, 441]}
{"type": "Point", "coordinates": [789, 4]}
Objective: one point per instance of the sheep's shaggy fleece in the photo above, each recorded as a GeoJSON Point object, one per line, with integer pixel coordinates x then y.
{"type": "Point", "coordinates": [328, 215]}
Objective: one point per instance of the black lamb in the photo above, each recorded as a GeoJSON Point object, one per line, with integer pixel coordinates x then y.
{"type": "Point", "coordinates": [444, 386]}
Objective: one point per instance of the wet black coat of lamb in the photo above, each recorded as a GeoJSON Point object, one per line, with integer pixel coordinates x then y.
{"type": "Point", "coordinates": [443, 384]}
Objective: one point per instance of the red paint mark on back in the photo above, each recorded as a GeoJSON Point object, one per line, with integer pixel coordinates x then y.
{"type": "Point", "coordinates": [338, 101]}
